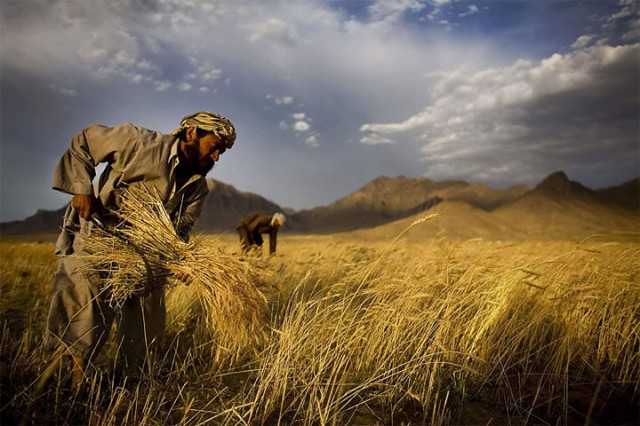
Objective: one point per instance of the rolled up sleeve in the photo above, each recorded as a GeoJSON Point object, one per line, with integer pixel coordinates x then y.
{"type": "Point", "coordinates": [93, 145]}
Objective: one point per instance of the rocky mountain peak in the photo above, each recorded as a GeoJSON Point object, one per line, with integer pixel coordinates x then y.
{"type": "Point", "coordinates": [556, 180]}
{"type": "Point", "coordinates": [558, 184]}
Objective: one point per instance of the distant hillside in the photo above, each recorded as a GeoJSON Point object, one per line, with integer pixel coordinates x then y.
{"type": "Point", "coordinates": [387, 199]}
{"type": "Point", "coordinates": [555, 208]}
{"type": "Point", "coordinates": [223, 208]}
{"type": "Point", "coordinates": [454, 220]}
{"type": "Point", "coordinates": [626, 195]}
{"type": "Point", "coordinates": [486, 198]}
{"type": "Point", "coordinates": [564, 208]}
{"type": "Point", "coordinates": [42, 222]}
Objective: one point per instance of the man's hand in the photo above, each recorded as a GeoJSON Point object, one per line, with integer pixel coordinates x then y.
{"type": "Point", "coordinates": [85, 205]}
{"type": "Point", "coordinates": [185, 277]}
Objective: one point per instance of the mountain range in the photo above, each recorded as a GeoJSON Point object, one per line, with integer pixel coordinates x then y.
{"type": "Point", "coordinates": [556, 208]}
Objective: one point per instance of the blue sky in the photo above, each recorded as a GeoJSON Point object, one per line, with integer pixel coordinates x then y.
{"type": "Point", "coordinates": [328, 95]}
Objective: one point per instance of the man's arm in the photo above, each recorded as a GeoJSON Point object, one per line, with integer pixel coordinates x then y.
{"type": "Point", "coordinates": [257, 238]}
{"type": "Point", "coordinates": [76, 169]}
{"type": "Point", "coordinates": [254, 223]}
{"type": "Point", "coordinates": [273, 236]}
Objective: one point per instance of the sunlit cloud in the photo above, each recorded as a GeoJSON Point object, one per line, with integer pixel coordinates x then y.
{"type": "Point", "coordinates": [301, 126]}
{"type": "Point", "coordinates": [582, 42]}
{"type": "Point", "coordinates": [477, 121]}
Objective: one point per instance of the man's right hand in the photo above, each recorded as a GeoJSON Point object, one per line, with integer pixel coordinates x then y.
{"type": "Point", "coordinates": [85, 205]}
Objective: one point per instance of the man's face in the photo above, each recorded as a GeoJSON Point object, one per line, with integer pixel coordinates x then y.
{"type": "Point", "coordinates": [202, 152]}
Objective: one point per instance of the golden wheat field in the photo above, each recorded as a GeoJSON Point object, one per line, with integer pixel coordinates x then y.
{"type": "Point", "coordinates": [360, 332]}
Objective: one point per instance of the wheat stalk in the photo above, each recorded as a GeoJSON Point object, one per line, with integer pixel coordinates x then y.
{"type": "Point", "coordinates": [235, 309]}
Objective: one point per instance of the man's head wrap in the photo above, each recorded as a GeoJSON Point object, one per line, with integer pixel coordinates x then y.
{"type": "Point", "coordinates": [210, 122]}
{"type": "Point", "coordinates": [278, 217]}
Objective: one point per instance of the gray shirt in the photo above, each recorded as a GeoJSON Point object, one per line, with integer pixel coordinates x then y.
{"type": "Point", "coordinates": [133, 156]}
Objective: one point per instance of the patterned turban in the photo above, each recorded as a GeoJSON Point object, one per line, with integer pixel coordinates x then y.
{"type": "Point", "coordinates": [210, 122]}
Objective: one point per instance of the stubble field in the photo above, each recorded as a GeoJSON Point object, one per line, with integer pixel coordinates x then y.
{"type": "Point", "coordinates": [361, 332]}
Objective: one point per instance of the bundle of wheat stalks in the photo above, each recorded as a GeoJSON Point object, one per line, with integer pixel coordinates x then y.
{"type": "Point", "coordinates": [234, 307]}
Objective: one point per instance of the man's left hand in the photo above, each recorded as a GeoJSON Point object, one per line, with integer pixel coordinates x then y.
{"type": "Point", "coordinates": [185, 277]}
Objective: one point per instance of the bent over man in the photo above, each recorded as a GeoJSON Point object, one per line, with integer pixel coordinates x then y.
{"type": "Point", "coordinates": [253, 225]}
{"type": "Point", "coordinates": [175, 166]}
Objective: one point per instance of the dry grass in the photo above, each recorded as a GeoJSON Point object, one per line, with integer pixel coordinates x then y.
{"type": "Point", "coordinates": [436, 332]}
{"type": "Point", "coordinates": [234, 307]}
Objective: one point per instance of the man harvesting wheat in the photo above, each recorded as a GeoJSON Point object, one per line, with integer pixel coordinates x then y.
{"type": "Point", "coordinates": [253, 225]}
{"type": "Point", "coordinates": [174, 166]}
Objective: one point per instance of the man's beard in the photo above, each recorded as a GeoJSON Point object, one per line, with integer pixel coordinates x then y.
{"type": "Point", "coordinates": [197, 163]}
{"type": "Point", "coordinates": [205, 165]}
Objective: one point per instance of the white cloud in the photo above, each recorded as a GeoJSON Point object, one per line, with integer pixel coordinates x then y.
{"type": "Point", "coordinates": [480, 120]}
{"type": "Point", "coordinates": [301, 126]}
{"type": "Point", "coordinates": [312, 141]}
{"type": "Point", "coordinates": [120, 39]}
{"type": "Point", "coordinates": [383, 10]}
{"type": "Point", "coordinates": [112, 53]}
{"type": "Point", "coordinates": [374, 138]}
{"type": "Point", "coordinates": [471, 10]}
{"type": "Point", "coordinates": [285, 100]}
{"type": "Point", "coordinates": [438, 10]}
{"type": "Point", "coordinates": [273, 29]}
{"type": "Point", "coordinates": [162, 86]}
{"type": "Point", "coordinates": [310, 42]}
{"type": "Point", "coordinates": [147, 66]}
{"type": "Point", "coordinates": [385, 17]}
{"type": "Point", "coordinates": [633, 32]}
{"type": "Point", "coordinates": [582, 41]}
{"type": "Point", "coordinates": [184, 86]}
{"type": "Point", "coordinates": [136, 78]}
{"type": "Point", "coordinates": [627, 8]}
{"type": "Point", "coordinates": [211, 74]}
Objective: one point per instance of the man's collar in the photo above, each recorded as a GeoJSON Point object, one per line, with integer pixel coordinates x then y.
{"type": "Point", "coordinates": [174, 159]}
{"type": "Point", "coordinates": [173, 153]}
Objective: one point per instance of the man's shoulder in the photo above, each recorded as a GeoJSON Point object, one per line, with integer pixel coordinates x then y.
{"type": "Point", "coordinates": [147, 134]}
{"type": "Point", "coordinates": [148, 138]}
{"type": "Point", "coordinates": [250, 216]}
{"type": "Point", "coordinates": [125, 131]}
{"type": "Point", "coordinates": [134, 129]}
{"type": "Point", "coordinates": [262, 219]}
